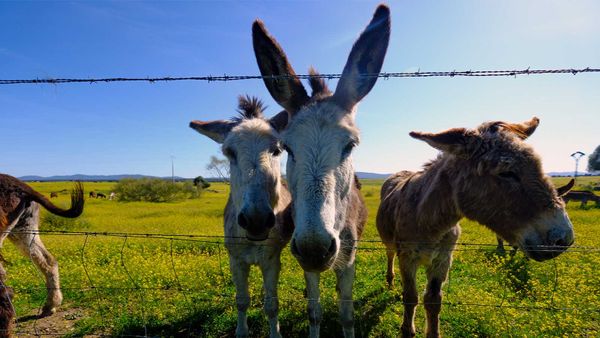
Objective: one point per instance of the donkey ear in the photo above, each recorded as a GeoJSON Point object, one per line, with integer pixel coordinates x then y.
{"type": "Point", "coordinates": [216, 130]}
{"type": "Point", "coordinates": [525, 129]}
{"type": "Point", "coordinates": [365, 60]}
{"type": "Point", "coordinates": [565, 188]}
{"type": "Point", "coordinates": [279, 121]}
{"type": "Point", "coordinates": [272, 61]}
{"type": "Point", "coordinates": [454, 141]}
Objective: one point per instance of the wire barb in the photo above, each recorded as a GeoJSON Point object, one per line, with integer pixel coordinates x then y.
{"type": "Point", "coordinates": [227, 78]}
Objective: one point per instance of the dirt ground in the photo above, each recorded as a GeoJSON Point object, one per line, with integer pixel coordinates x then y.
{"type": "Point", "coordinates": [60, 323]}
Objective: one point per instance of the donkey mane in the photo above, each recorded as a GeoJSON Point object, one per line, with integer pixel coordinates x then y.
{"type": "Point", "coordinates": [249, 107]}
{"type": "Point", "coordinates": [317, 84]}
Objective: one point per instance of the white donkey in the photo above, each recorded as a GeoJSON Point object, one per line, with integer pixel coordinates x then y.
{"type": "Point", "coordinates": [328, 210]}
{"type": "Point", "coordinates": [256, 226]}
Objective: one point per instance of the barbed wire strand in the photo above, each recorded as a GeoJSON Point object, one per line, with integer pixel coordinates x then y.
{"type": "Point", "coordinates": [226, 78]}
{"type": "Point", "coordinates": [464, 246]}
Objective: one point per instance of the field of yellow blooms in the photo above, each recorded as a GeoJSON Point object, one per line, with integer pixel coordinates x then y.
{"type": "Point", "coordinates": [181, 286]}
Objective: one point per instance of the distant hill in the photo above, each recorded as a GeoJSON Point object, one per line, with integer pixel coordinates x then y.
{"type": "Point", "coordinates": [101, 178]}
{"type": "Point", "coordinates": [88, 178]}
{"type": "Point", "coordinates": [568, 173]}
{"type": "Point", "coordinates": [365, 175]}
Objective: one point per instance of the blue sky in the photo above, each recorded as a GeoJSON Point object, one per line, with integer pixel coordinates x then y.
{"type": "Point", "coordinates": [135, 127]}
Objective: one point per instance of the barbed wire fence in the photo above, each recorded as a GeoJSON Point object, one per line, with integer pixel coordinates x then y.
{"type": "Point", "coordinates": [384, 75]}
{"type": "Point", "coordinates": [139, 291]}
{"type": "Point", "coordinates": [201, 294]}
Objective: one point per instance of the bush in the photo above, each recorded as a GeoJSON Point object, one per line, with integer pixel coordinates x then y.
{"type": "Point", "coordinates": [154, 190]}
{"type": "Point", "coordinates": [201, 182]}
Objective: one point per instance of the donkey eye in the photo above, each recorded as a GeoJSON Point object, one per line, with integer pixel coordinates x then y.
{"type": "Point", "coordinates": [509, 175]}
{"type": "Point", "coordinates": [230, 153]}
{"type": "Point", "coordinates": [275, 150]}
{"type": "Point", "coordinates": [348, 149]}
{"type": "Point", "coordinates": [289, 151]}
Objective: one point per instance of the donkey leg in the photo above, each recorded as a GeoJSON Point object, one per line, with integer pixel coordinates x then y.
{"type": "Point", "coordinates": [437, 273]}
{"type": "Point", "coordinates": [31, 245]}
{"type": "Point", "coordinates": [500, 248]}
{"type": "Point", "coordinates": [345, 279]}
{"type": "Point", "coordinates": [315, 313]}
{"type": "Point", "coordinates": [270, 270]}
{"type": "Point", "coordinates": [7, 312]}
{"type": "Point", "coordinates": [391, 255]}
{"type": "Point", "coordinates": [239, 273]}
{"type": "Point", "coordinates": [410, 297]}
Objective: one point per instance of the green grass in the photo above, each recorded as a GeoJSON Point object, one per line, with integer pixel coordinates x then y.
{"type": "Point", "coordinates": [181, 287]}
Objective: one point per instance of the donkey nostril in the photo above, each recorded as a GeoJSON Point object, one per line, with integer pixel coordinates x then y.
{"type": "Point", "coordinates": [332, 248]}
{"type": "Point", "coordinates": [561, 242]}
{"type": "Point", "coordinates": [242, 221]}
{"type": "Point", "coordinates": [270, 220]}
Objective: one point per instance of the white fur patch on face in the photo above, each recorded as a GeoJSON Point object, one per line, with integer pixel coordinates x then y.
{"type": "Point", "coordinates": [319, 140]}
{"type": "Point", "coordinates": [252, 148]}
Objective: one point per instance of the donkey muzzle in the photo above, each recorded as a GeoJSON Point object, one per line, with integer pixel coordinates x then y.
{"type": "Point", "coordinates": [314, 255]}
{"type": "Point", "coordinates": [257, 224]}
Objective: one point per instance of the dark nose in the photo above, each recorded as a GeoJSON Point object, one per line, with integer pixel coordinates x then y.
{"type": "Point", "coordinates": [312, 255]}
{"type": "Point", "coordinates": [556, 237]}
{"type": "Point", "coordinates": [257, 224]}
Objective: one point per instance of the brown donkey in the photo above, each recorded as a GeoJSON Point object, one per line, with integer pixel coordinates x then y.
{"type": "Point", "coordinates": [328, 209]}
{"type": "Point", "coordinates": [488, 175]}
{"type": "Point", "coordinates": [19, 221]}
{"type": "Point", "coordinates": [257, 220]}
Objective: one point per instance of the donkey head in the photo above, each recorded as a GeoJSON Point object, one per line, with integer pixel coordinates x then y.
{"type": "Point", "coordinates": [321, 135]}
{"type": "Point", "coordinates": [497, 180]}
{"type": "Point", "coordinates": [251, 144]}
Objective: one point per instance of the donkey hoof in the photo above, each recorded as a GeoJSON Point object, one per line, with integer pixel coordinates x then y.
{"type": "Point", "coordinates": [48, 311]}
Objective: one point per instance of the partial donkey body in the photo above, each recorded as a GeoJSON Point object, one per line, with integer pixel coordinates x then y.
{"type": "Point", "coordinates": [19, 221]}
{"type": "Point", "coordinates": [489, 175]}
{"type": "Point", "coordinates": [328, 209]}
{"type": "Point", "coordinates": [257, 221]}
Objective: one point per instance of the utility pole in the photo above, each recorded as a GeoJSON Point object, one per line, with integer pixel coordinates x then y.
{"type": "Point", "coordinates": [577, 156]}
{"type": "Point", "coordinates": [172, 169]}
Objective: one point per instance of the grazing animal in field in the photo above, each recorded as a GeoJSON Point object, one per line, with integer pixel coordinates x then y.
{"type": "Point", "coordinates": [112, 196]}
{"type": "Point", "coordinates": [53, 194]}
{"type": "Point", "coordinates": [100, 195]}
{"type": "Point", "coordinates": [257, 220]}
{"type": "Point", "coordinates": [487, 174]}
{"type": "Point", "coordinates": [328, 209]}
{"type": "Point", "coordinates": [582, 196]}
{"type": "Point", "coordinates": [92, 194]}
{"type": "Point", "coordinates": [19, 221]}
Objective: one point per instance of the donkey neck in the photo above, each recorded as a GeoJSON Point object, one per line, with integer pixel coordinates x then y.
{"type": "Point", "coordinates": [436, 207]}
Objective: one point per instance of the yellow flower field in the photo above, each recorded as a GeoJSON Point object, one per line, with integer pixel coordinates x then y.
{"type": "Point", "coordinates": [180, 285]}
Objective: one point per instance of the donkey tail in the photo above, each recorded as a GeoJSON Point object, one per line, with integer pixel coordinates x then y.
{"type": "Point", "coordinates": [77, 202]}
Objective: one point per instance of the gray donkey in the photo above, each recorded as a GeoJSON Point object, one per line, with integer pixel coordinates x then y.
{"type": "Point", "coordinates": [486, 174]}
{"type": "Point", "coordinates": [328, 209]}
{"type": "Point", "coordinates": [257, 221]}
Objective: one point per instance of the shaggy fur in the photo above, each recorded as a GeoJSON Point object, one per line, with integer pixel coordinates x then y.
{"type": "Point", "coordinates": [328, 209]}
{"type": "Point", "coordinates": [487, 174]}
{"type": "Point", "coordinates": [258, 223]}
{"type": "Point", "coordinates": [19, 220]}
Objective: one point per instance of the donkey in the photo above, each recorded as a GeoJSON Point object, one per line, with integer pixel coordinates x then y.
{"type": "Point", "coordinates": [487, 174]}
{"type": "Point", "coordinates": [19, 221]}
{"type": "Point", "coordinates": [582, 196]}
{"type": "Point", "coordinates": [328, 210]}
{"type": "Point", "coordinates": [257, 221]}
